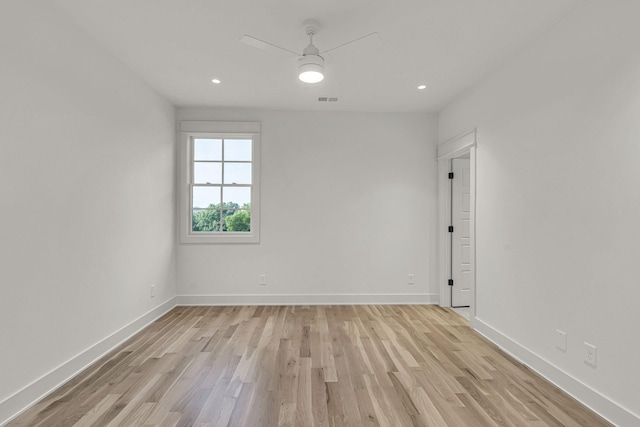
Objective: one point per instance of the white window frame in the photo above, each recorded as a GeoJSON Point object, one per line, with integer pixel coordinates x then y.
{"type": "Point", "coordinates": [205, 129]}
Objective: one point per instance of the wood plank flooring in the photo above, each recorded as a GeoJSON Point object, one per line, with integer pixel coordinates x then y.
{"type": "Point", "coordinates": [308, 366]}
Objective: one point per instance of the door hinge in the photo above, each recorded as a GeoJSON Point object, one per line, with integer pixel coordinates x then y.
{"type": "Point", "coordinates": [450, 282]}
{"type": "Point", "coordinates": [450, 175]}
{"type": "Point", "coordinates": [451, 229]}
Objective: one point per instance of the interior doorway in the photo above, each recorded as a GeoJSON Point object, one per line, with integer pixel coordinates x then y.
{"type": "Point", "coordinates": [460, 233]}
{"type": "Point", "coordinates": [456, 223]}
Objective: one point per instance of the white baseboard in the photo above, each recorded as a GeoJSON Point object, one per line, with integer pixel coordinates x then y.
{"type": "Point", "coordinates": [307, 299]}
{"type": "Point", "coordinates": [589, 397]}
{"type": "Point", "coordinates": [22, 400]}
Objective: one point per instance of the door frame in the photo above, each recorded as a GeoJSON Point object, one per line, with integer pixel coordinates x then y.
{"type": "Point", "coordinates": [451, 149]}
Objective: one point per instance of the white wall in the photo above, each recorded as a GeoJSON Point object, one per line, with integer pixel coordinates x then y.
{"type": "Point", "coordinates": [348, 208]}
{"type": "Point", "coordinates": [87, 164]}
{"type": "Point", "coordinates": [558, 176]}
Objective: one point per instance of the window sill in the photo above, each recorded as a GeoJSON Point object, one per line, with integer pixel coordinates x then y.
{"type": "Point", "coordinates": [205, 238]}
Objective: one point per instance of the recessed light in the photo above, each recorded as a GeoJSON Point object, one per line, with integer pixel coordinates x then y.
{"type": "Point", "coordinates": [216, 81]}
{"type": "Point", "coordinates": [422, 87]}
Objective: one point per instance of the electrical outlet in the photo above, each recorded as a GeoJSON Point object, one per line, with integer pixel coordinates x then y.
{"type": "Point", "coordinates": [411, 279]}
{"type": "Point", "coordinates": [263, 279]}
{"type": "Point", "coordinates": [590, 354]}
{"type": "Point", "coordinates": [561, 340]}
{"type": "Point", "coordinates": [152, 291]}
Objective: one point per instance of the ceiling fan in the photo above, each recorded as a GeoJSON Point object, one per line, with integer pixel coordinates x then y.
{"type": "Point", "coordinates": [311, 60]}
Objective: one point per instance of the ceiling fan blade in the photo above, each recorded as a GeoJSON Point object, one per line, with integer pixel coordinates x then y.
{"type": "Point", "coordinates": [261, 44]}
{"type": "Point", "coordinates": [371, 40]}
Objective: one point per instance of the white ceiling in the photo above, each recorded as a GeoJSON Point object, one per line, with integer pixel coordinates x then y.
{"type": "Point", "coordinates": [178, 46]}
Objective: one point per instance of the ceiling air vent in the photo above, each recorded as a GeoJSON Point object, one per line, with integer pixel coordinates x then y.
{"type": "Point", "coordinates": [327, 99]}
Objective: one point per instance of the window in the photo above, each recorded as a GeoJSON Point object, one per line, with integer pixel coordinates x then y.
{"type": "Point", "coordinates": [220, 182]}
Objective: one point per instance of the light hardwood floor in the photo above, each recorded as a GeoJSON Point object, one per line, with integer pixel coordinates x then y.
{"type": "Point", "coordinates": [308, 366]}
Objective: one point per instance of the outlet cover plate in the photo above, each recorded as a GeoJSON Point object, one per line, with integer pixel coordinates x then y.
{"type": "Point", "coordinates": [590, 354]}
{"type": "Point", "coordinates": [561, 340]}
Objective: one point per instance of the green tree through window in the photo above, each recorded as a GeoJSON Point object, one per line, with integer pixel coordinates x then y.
{"type": "Point", "coordinates": [234, 218]}
{"type": "Point", "coordinates": [239, 221]}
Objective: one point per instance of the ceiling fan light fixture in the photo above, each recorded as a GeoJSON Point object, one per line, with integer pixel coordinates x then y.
{"type": "Point", "coordinates": [311, 68]}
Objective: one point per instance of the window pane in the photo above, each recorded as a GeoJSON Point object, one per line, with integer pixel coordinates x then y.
{"type": "Point", "coordinates": [237, 149]}
{"type": "Point", "coordinates": [207, 149]}
{"type": "Point", "coordinates": [207, 173]}
{"type": "Point", "coordinates": [237, 220]}
{"type": "Point", "coordinates": [205, 220]}
{"type": "Point", "coordinates": [204, 197]}
{"type": "Point", "coordinates": [237, 173]}
{"type": "Point", "coordinates": [237, 195]}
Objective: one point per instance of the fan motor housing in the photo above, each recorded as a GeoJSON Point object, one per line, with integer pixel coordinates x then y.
{"type": "Point", "coordinates": [311, 68]}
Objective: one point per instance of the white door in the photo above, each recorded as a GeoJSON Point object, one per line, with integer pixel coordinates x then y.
{"type": "Point", "coordinates": [461, 236]}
